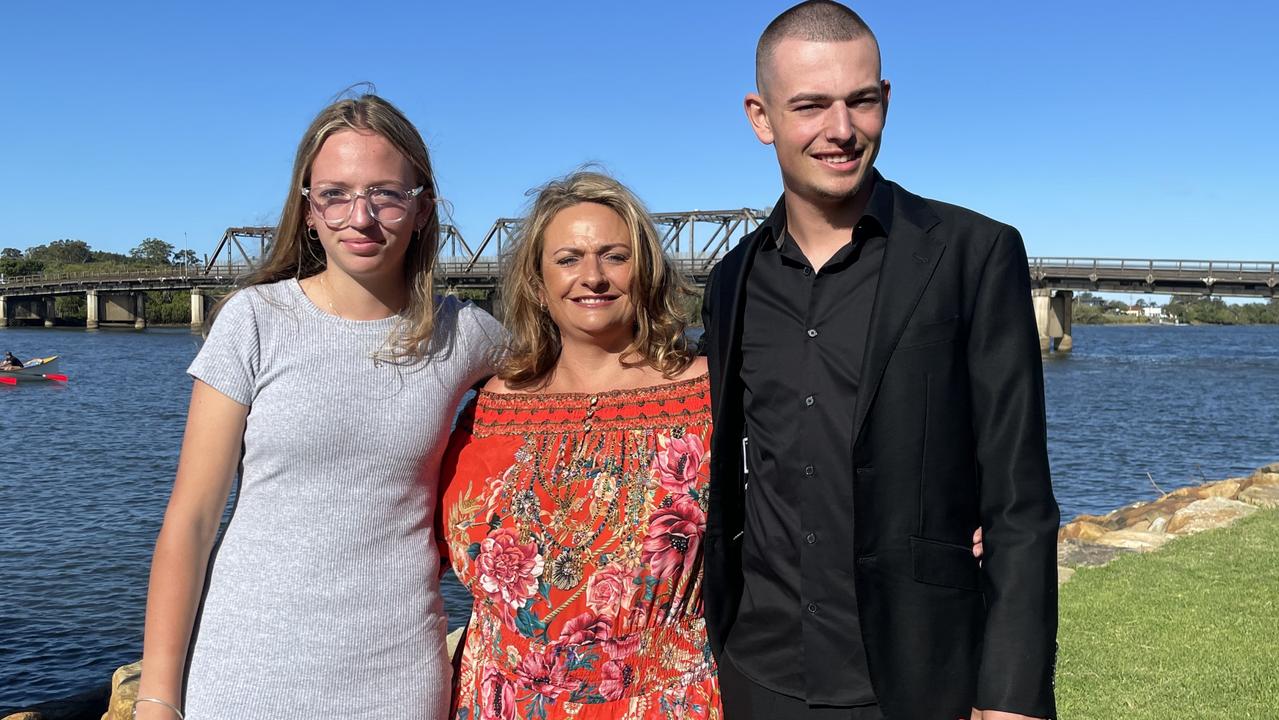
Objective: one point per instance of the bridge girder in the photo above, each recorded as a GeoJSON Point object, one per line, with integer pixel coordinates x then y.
{"type": "Point", "coordinates": [1172, 277]}
{"type": "Point", "coordinates": [230, 243]}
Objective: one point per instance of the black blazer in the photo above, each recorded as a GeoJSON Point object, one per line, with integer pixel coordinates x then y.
{"type": "Point", "coordinates": [949, 434]}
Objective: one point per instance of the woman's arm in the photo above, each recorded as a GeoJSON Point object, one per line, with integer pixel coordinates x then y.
{"type": "Point", "coordinates": [206, 468]}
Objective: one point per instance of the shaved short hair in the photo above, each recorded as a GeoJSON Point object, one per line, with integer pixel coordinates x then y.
{"type": "Point", "coordinates": [814, 21]}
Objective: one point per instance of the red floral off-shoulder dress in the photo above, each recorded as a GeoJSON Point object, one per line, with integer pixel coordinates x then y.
{"type": "Point", "coordinates": [576, 521]}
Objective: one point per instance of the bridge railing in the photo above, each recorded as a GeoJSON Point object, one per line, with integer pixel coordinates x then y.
{"type": "Point", "coordinates": [177, 272]}
{"type": "Point", "coordinates": [481, 267]}
{"type": "Point", "coordinates": [1188, 268]}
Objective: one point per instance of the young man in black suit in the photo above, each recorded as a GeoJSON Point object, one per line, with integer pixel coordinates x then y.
{"type": "Point", "coordinates": [877, 394]}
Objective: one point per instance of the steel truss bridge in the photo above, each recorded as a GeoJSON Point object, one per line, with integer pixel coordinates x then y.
{"type": "Point", "coordinates": [695, 240]}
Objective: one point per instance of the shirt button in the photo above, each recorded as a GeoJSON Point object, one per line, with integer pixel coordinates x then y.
{"type": "Point", "coordinates": [809, 401]}
{"type": "Point", "coordinates": [809, 470]}
{"type": "Point", "coordinates": [812, 332]}
{"type": "Point", "coordinates": [811, 539]}
{"type": "Point", "coordinates": [808, 271]}
{"type": "Point", "coordinates": [812, 607]}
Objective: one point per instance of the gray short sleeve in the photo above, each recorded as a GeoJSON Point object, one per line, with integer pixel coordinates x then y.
{"type": "Point", "coordinates": [486, 337]}
{"type": "Point", "coordinates": [229, 360]}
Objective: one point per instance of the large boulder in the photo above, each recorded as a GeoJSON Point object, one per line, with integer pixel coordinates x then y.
{"type": "Point", "coordinates": [1208, 514]}
{"type": "Point", "coordinates": [1228, 489]}
{"type": "Point", "coordinates": [124, 691]}
{"type": "Point", "coordinates": [1143, 515]}
{"type": "Point", "coordinates": [1265, 478]}
{"type": "Point", "coordinates": [1263, 496]}
{"type": "Point", "coordinates": [1139, 540]}
{"type": "Point", "coordinates": [1081, 530]}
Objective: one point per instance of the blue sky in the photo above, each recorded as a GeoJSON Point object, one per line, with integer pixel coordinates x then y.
{"type": "Point", "coordinates": [1137, 129]}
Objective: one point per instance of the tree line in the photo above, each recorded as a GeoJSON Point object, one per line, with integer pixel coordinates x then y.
{"type": "Point", "coordinates": [76, 255]}
{"type": "Point", "coordinates": [1090, 309]}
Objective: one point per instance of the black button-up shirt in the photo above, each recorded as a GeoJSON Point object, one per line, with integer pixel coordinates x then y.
{"type": "Point", "coordinates": [797, 631]}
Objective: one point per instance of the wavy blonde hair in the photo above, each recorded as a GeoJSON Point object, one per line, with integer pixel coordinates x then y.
{"type": "Point", "coordinates": [294, 254]}
{"type": "Point", "coordinates": [657, 288]}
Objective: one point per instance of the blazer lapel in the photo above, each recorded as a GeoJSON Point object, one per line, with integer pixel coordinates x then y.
{"type": "Point", "coordinates": [910, 257]}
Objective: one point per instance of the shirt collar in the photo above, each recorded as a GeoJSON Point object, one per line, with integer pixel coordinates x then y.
{"type": "Point", "coordinates": [878, 209]}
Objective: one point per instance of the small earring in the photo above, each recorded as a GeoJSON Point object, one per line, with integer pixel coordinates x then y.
{"type": "Point", "coordinates": [311, 233]}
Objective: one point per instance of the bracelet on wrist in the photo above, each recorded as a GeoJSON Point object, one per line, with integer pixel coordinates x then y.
{"type": "Point", "coordinates": [157, 701]}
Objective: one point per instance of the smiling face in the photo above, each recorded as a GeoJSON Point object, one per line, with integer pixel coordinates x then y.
{"type": "Point", "coordinates": [822, 108]}
{"type": "Point", "coordinates": [587, 267]}
{"type": "Point", "coordinates": [364, 249]}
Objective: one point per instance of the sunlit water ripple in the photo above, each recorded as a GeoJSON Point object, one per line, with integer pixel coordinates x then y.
{"type": "Point", "coordinates": [87, 467]}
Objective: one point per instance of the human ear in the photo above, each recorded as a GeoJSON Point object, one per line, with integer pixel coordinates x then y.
{"type": "Point", "coordinates": [758, 117]}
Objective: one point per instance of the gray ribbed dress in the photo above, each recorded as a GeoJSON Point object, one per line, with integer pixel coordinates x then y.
{"type": "Point", "coordinates": [323, 596]}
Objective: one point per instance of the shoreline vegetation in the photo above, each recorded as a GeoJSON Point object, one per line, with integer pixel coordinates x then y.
{"type": "Point", "coordinates": [1089, 309]}
{"type": "Point", "coordinates": [1187, 631]}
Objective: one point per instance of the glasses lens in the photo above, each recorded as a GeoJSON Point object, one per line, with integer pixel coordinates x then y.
{"type": "Point", "coordinates": [389, 204]}
{"type": "Point", "coordinates": [333, 203]}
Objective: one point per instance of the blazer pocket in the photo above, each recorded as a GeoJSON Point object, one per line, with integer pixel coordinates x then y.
{"type": "Point", "coordinates": [941, 563]}
{"type": "Point", "coordinates": [929, 333]}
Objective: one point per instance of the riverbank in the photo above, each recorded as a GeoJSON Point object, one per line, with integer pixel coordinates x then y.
{"type": "Point", "coordinates": [1196, 618]}
{"type": "Point", "coordinates": [1095, 540]}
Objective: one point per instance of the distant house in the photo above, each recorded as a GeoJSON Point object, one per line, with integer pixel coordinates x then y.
{"type": "Point", "coordinates": [1153, 312]}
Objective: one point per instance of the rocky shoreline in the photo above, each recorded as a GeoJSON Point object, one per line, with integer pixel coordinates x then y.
{"type": "Point", "coordinates": [1094, 540]}
{"type": "Point", "coordinates": [1086, 541]}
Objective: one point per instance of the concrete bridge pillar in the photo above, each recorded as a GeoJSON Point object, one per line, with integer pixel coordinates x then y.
{"type": "Point", "coordinates": [50, 311]}
{"type": "Point", "coordinates": [1052, 318]}
{"type": "Point", "coordinates": [197, 307]}
{"type": "Point", "coordinates": [1059, 323]}
{"type": "Point", "coordinates": [91, 309]}
{"type": "Point", "coordinates": [1042, 300]}
{"type": "Point", "coordinates": [139, 311]}
{"type": "Point", "coordinates": [4, 311]}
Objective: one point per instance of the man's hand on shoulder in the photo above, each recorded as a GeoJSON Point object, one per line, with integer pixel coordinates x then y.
{"type": "Point", "coordinates": [999, 715]}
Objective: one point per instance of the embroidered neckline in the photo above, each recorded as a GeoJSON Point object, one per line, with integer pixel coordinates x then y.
{"type": "Point", "coordinates": [649, 407]}
{"type": "Point", "coordinates": [678, 388]}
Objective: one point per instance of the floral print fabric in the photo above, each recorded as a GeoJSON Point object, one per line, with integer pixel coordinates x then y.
{"type": "Point", "coordinates": [576, 521]}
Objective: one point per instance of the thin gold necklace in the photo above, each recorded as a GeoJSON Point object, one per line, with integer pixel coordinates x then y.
{"type": "Point", "coordinates": [375, 356]}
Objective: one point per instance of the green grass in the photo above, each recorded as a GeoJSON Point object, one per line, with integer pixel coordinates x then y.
{"type": "Point", "coordinates": [1190, 631]}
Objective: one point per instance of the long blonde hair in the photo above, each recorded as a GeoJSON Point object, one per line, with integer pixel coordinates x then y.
{"type": "Point", "coordinates": [294, 254]}
{"type": "Point", "coordinates": [657, 288]}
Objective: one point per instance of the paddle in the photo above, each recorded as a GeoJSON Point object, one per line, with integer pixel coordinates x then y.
{"type": "Point", "coordinates": [8, 381]}
{"type": "Point", "coordinates": [55, 376]}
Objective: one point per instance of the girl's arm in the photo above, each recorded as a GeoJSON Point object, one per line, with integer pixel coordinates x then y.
{"type": "Point", "coordinates": [206, 469]}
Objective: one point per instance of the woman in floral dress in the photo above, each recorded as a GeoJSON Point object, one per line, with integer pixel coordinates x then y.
{"type": "Point", "coordinates": [575, 485]}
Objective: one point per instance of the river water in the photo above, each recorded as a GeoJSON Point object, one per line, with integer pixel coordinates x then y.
{"type": "Point", "coordinates": [87, 467]}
